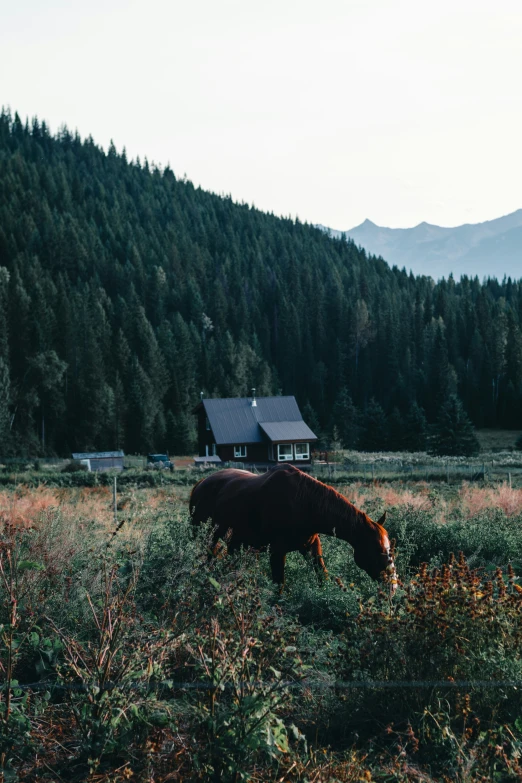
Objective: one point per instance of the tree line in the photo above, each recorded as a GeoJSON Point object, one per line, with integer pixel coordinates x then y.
{"type": "Point", "coordinates": [125, 291]}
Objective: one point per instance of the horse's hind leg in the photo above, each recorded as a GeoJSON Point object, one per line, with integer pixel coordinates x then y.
{"type": "Point", "coordinates": [222, 541]}
{"type": "Point", "coordinates": [314, 548]}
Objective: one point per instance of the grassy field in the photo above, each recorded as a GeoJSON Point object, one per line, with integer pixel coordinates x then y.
{"type": "Point", "coordinates": [127, 654]}
{"type": "Point", "coordinates": [497, 440]}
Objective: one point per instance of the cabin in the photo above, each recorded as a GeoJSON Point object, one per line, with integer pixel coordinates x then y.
{"type": "Point", "coordinates": [100, 460]}
{"type": "Point", "coordinates": [260, 431]}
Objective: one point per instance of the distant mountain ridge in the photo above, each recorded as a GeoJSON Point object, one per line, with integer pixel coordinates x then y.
{"type": "Point", "coordinates": [489, 249]}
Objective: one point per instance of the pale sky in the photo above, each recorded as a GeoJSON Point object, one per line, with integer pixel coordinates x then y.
{"type": "Point", "coordinates": [395, 110]}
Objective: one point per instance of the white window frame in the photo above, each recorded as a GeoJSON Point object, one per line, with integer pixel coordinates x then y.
{"type": "Point", "coordinates": [213, 449]}
{"type": "Point", "coordinates": [285, 457]}
{"type": "Point", "coordinates": [240, 451]}
{"type": "Point", "coordinates": [302, 456]}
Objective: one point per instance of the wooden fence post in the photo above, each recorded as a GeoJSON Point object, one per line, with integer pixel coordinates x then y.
{"type": "Point", "coordinates": [114, 493]}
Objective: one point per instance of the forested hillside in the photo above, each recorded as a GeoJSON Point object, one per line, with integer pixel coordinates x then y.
{"type": "Point", "coordinates": [124, 291]}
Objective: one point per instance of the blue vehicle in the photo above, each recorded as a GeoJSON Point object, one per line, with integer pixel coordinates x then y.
{"type": "Point", "coordinates": [159, 462]}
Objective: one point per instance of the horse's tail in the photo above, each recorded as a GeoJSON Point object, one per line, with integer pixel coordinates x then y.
{"type": "Point", "coordinates": [203, 497]}
{"type": "Point", "coordinates": [192, 503]}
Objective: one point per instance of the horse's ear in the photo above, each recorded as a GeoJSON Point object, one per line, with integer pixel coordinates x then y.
{"type": "Point", "coordinates": [382, 520]}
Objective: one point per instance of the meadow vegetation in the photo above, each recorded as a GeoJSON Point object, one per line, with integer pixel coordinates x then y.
{"type": "Point", "coordinates": [127, 654]}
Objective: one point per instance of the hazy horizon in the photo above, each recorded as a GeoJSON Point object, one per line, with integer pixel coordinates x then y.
{"type": "Point", "coordinates": [335, 113]}
{"type": "Point", "coordinates": [427, 222]}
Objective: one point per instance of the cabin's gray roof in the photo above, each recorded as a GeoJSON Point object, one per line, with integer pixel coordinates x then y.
{"type": "Point", "coordinates": [98, 455]}
{"type": "Point", "coordinates": [234, 420]}
{"type": "Point", "coordinates": [287, 430]}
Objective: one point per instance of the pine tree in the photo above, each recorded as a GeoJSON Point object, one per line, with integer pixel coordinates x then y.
{"type": "Point", "coordinates": [142, 409]}
{"type": "Point", "coordinates": [4, 341]}
{"type": "Point", "coordinates": [453, 433]}
{"type": "Point", "coordinates": [395, 431]}
{"type": "Point", "coordinates": [361, 330]}
{"type": "Point", "coordinates": [5, 399]}
{"type": "Point", "coordinates": [347, 419]}
{"type": "Point", "coordinates": [310, 418]}
{"type": "Point", "coordinates": [181, 434]}
{"type": "Point", "coordinates": [374, 430]}
{"type": "Point", "coordinates": [415, 433]}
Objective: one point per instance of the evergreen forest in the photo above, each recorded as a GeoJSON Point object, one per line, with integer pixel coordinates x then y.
{"type": "Point", "coordinates": [125, 291]}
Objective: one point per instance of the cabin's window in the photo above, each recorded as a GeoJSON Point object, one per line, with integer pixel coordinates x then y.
{"type": "Point", "coordinates": [207, 424]}
{"type": "Point", "coordinates": [284, 451]}
{"type": "Point", "coordinates": [213, 449]}
{"type": "Point", "coordinates": [302, 451]}
{"type": "Point", "coordinates": [239, 451]}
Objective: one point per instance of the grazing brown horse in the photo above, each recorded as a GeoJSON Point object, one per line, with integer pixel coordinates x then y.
{"type": "Point", "coordinates": [286, 509]}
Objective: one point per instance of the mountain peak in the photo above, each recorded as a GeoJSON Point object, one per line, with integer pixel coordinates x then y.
{"type": "Point", "coordinates": [365, 224]}
{"type": "Point", "coordinates": [491, 248]}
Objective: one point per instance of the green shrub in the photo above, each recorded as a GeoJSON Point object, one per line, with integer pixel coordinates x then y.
{"type": "Point", "coordinates": [74, 466]}
{"type": "Point", "coordinates": [489, 539]}
{"type": "Point", "coordinates": [247, 658]}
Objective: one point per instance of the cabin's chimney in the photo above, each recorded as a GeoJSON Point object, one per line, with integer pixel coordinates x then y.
{"type": "Point", "coordinates": [254, 403]}
{"type": "Point", "coordinates": [201, 396]}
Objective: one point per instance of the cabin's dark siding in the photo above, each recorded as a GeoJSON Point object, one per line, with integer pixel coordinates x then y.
{"type": "Point", "coordinates": [256, 452]}
{"type": "Point", "coordinates": [205, 437]}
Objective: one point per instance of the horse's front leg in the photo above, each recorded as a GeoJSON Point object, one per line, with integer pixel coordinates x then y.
{"type": "Point", "coordinates": [314, 548]}
{"type": "Point", "coordinates": [277, 564]}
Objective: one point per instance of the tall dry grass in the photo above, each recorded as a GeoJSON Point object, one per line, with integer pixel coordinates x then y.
{"type": "Point", "coordinates": [362, 495]}
{"type": "Point", "coordinates": [90, 511]}
{"type": "Point", "coordinates": [468, 499]}
{"type": "Point", "coordinates": [69, 518]}
{"type": "Point", "coordinates": [474, 500]}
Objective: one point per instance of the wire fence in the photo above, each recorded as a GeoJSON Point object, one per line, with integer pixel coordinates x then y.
{"type": "Point", "coordinates": [374, 471]}
{"type": "Point", "coordinates": [334, 472]}
{"type": "Point", "coordinates": [442, 472]}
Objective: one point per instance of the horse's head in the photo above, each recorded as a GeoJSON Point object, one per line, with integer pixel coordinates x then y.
{"type": "Point", "coordinates": [372, 552]}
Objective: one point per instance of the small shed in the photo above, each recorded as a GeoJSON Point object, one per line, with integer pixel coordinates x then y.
{"type": "Point", "coordinates": [100, 460]}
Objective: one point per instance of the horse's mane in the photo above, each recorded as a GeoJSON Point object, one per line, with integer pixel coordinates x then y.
{"type": "Point", "coordinates": [329, 501]}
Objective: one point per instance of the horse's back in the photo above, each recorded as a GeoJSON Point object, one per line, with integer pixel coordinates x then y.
{"type": "Point", "coordinates": [256, 507]}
